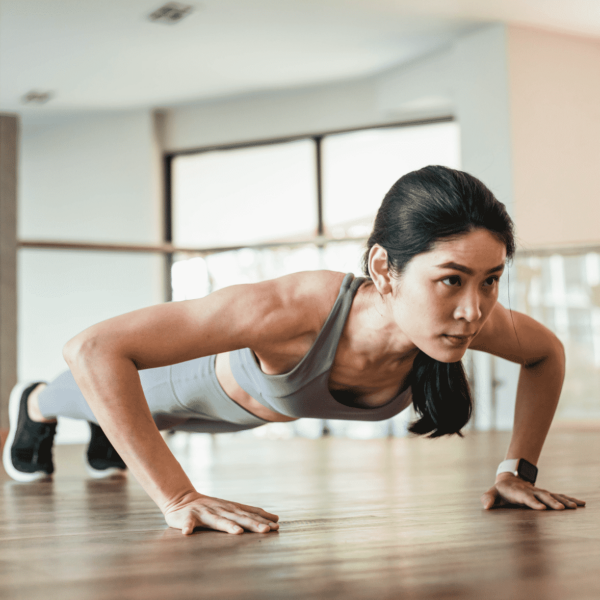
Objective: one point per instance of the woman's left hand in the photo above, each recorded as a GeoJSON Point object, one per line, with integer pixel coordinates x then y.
{"type": "Point", "coordinates": [512, 490]}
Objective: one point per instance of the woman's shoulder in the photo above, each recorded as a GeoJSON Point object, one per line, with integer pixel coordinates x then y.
{"type": "Point", "coordinates": [310, 286]}
{"type": "Point", "coordinates": [305, 298]}
{"type": "Point", "coordinates": [309, 280]}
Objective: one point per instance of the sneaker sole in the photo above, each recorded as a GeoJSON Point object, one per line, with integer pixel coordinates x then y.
{"type": "Point", "coordinates": [14, 404]}
{"type": "Point", "coordinates": [112, 472]}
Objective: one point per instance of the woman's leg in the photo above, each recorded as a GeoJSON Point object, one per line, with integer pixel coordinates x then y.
{"type": "Point", "coordinates": [186, 396]}
{"type": "Point", "coordinates": [33, 407]}
{"type": "Point", "coordinates": [61, 398]}
{"type": "Point", "coordinates": [33, 410]}
{"type": "Point", "coordinates": [36, 406]}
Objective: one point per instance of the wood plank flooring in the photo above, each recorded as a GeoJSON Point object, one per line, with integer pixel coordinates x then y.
{"type": "Point", "coordinates": [379, 519]}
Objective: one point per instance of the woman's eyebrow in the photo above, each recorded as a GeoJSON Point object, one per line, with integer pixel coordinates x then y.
{"type": "Point", "coordinates": [467, 270]}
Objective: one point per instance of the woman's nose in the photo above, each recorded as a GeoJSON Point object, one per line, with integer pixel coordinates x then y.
{"type": "Point", "coordinates": [468, 308]}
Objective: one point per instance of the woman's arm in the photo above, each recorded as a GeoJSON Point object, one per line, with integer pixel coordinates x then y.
{"type": "Point", "coordinates": [105, 359]}
{"type": "Point", "coordinates": [519, 338]}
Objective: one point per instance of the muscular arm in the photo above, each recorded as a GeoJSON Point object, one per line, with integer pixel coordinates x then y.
{"type": "Point", "coordinates": [105, 359]}
{"type": "Point", "coordinates": [541, 355]}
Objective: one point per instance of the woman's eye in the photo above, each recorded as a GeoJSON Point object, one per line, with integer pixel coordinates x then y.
{"type": "Point", "coordinates": [491, 280]}
{"type": "Point", "coordinates": [452, 281]}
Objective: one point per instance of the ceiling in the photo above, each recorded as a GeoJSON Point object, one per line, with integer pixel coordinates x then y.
{"type": "Point", "coordinates": [106, 54]}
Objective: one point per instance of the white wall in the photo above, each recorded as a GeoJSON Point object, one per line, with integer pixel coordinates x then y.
{"type": "Point", "coordinates": [394, 96]}
{"type": "Point", "coordinates": [84, 178]}
{"type": "Point", "coordinates": [77, 175]}
{"type": "Point", "coordinates": [421, 88]}
{"type": "Point", "coordinates": [273, 115]}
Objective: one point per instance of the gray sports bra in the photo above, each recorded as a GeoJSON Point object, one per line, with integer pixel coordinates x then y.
{"type": "Point", "coordinates": [304, 391]}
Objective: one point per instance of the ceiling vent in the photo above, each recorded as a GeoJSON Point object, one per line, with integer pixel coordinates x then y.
{"type": "Point", "coordinates": [171, 12]}
{"type": "Point", "coordinates": [35, 97]}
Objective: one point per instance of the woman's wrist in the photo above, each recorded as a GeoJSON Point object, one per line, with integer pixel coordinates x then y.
{"type": "Point", "coordinates": [505, 476]}
{"type": "Point", "coordinates": [179, 499]}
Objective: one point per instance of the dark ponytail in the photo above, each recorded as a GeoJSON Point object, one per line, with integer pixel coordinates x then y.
{"type": "Point", "coordinates": [421, 208]}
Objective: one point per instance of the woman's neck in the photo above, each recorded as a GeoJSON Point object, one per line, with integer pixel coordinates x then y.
{"type": "Point", "coordinates": [371, 330]}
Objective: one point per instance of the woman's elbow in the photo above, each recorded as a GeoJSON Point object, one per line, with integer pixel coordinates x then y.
{"type": "Point", "coordinates": [556, 354]}
{"type": "Point", "coordinates": [552, 355]}
{"type": "Point", "coordinates": [558, 349]}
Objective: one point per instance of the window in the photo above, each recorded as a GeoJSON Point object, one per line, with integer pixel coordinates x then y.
{"type": "Point", "coordinates": [360, 167]}
{"type": "Point", "coordinates": [245, 196]}
{"type": "Point", "coordinates": [265, 201]}
{"type": "Point", "coordinates": [562, 291]}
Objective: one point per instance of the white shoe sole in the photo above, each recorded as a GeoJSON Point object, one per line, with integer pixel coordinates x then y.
{"type": "Point", "coordinates": [14, 404]}
{"type": "Point", "coordinates": [113, 472]}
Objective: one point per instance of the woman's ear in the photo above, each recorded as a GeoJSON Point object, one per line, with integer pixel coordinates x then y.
{"type": "Point", "coordinates": [378, 269]}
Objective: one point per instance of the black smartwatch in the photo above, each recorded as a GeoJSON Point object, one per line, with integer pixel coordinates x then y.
{"type": "Point", "coordinates": [519, 467]}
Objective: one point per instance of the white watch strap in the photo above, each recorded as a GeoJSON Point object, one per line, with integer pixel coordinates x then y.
{"type": "Point", "coordinates": [508, 466]}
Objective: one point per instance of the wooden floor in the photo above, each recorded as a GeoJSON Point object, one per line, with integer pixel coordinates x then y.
{"type": "Point", "coordinates": [376, 519]}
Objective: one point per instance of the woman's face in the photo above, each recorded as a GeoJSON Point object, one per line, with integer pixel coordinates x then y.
{"type": "Point", "coordinates": [444, 296]}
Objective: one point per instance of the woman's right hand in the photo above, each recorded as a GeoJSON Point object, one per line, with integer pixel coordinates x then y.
{"type": "Point", "coordinates": [195, 510]}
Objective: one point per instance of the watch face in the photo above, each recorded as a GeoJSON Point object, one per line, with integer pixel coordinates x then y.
{"type": "Point", "coordinates": [527, 471]}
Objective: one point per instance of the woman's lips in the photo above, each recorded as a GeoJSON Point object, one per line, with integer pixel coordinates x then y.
{"type": "Point", "coordinates": [458, 340]}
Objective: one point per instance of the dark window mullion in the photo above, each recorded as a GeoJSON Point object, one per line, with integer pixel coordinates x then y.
{"type": "Point", "coordinates": [168, 224]}
{"type": "Point", "coordinates": [319, 182]}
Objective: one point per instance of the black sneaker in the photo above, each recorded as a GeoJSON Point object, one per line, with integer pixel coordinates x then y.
{"type": "Point", "coordinates": [102, 460]}
{"type": "Point", "coordinates": [27, 454]}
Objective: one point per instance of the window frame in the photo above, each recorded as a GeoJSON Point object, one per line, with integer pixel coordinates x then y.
{"type": "Point", "coordinates": [320, 239]}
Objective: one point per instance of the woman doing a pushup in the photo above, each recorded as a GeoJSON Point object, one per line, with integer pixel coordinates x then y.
{"type": "Point", "coordinates": [317, 344]}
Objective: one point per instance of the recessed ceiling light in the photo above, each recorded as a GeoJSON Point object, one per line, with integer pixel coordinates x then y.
{"type": "Point", "coordinates": [171, 12]}
{"type": "Point", "coordinates": [35, 97]}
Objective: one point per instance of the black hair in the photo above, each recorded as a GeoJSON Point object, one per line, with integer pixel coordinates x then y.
{"type": "Point", "coordinates": [421, 208]}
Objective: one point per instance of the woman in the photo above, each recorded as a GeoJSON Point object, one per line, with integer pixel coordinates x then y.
{"type": "Point", "coordinates": [313, 344]}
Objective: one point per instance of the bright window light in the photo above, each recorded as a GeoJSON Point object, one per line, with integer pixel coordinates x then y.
{"type": "Point", "coordinates": [360, 167]}
{"type": "Point", "coordinates": [245, 196]}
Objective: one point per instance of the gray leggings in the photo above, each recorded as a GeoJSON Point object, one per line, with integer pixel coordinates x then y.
{"type": "Point", "coordinates": [182, 397]}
